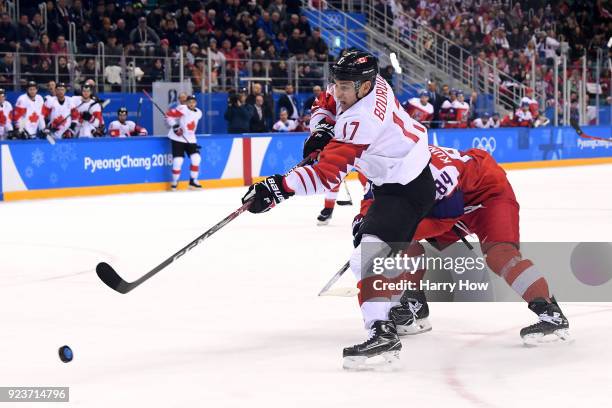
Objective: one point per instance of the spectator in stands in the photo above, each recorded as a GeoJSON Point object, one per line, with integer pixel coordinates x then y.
{"type": "Point", "coordinates": [144, 37]}
{"type": "Point", "coordinates": [316, 91]}
{"type": "Point", "coordinates": [43, 72]}
{"type": "Point", "coordinates": [284, 124]}
{"type": "Point", "coordinates": [280, 43]}
{"type": "Point", "coordinates": [279, 74]}
{"type": "Point", "coordinates": [6, 69]}
{"type": "Point", "coordinates": [238, 114]}
{"type": "Point", "coordinates": [8, 34]}
{"type": "Point", "coordinates": [295, 44]}
{"type": "Point", "coordinates": [265, 24]}
{"type": "Point", "coordinates": [62, 69]}
{"type": "Point", "coordinates": [87, 42]}
{"type": "Point", "coordinates": [60, 46]}
{"type": "Point", "coordinates": [113, 50]}
{"type": "Point", "coordinates": [259, 121]}
{"type": "Point", "coordinates": [155, 73]}
{"type": "Point", "coordinates": [123, 37]}
{"type": "Point", "coordinates": [317, 43]}
{"type": "Point", "coordinates": [435, 99]}
{"type": "Point", "coordinates": [278, 6]}
{"type": "Point", "coordinates": [26, 34]}
{"type": "Point", "coordinates": [289, 103]}
{"type": "Point", "coordinates": [44, 49]}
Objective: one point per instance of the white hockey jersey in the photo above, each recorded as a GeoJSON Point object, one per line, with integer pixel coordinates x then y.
{"type": "Point", "coordinates": [28, 114]}
{"type": "Point", "coordinates": [376, 136]}
{"type": "Point", "coordinates": [6, 124]}
{"type": "Point", "coordinates": [187, 119]}
{"type": "Point", "coordinates": [534, 107]}
{"type": "Point", "coordinates": [60, 115]}
{"type": "Point", "coordinates": [288, 126]}
{"type": "Point", "coordinates": [86, 127]}
{"type": "Point", "coordinates": [418, 111]}
{"type": "Point", "coordinates": [523, 118]}
{"type": "Point", "coordinates": [478, 123]}
{"type": "Point", "coordinates": [462, 111]}
{"type": "Point", "coordinates": [126, 129]}
{"type": "Point", "coordinates": [492, 123]}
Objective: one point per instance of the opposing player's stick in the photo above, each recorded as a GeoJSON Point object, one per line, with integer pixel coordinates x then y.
{"type": "Point", "coordinates": [328, 291]}
{"type": "Point", "coordinates": [138, 111]}
{"type": "Point", "coordinates": [348, 193]}
{"type": "Point", "coordinates": [111, 278]}
{"type": "Point", "coordinates": [578, 130]}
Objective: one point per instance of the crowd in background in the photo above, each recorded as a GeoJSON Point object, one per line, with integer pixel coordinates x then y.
{"type": "Point", "coordinates": [272, 34]}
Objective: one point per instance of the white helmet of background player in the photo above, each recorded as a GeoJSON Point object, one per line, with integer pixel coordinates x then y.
{"type": "Point", "coordinates": [354, 75]}
{"type": "Point", "coordinates": [122, 114]}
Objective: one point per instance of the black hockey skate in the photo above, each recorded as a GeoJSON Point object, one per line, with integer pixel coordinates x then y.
{"type": "Point", "coordinates": [411, 317]}
{"type": "Point", "coordinates": [173, 186]}
{"type": "Point", "coordinates": [325, 216]}
{"type": "Point", "coordinates": [194, 184]}
{"type": "Point", "coordinates": [553, 325]}
{"type": "Point", "coordinates": [383, 341]}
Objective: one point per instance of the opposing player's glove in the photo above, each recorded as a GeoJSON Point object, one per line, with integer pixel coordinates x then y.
{"type": "Point", "coordinates": [357, 222]}
{"type": "Point", "coordinates": [86, 116]}
{"type": "Point", "coordinates": [46, 132]}
{"type": "Point", "coordinates": [266, 194]}
{"type": "Point", "coordinates": [322, 134]}
{"type": "Point", "coordinates": [177, 130]}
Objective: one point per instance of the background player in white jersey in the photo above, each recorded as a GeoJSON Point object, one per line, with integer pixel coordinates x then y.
{"type": "Point", "coordinates": [523, 117]}
{"type": "Point", "coordinates": [462, 110]}
{"type": "Point", "coordinates": [6, 113]}
{"type": "Point", "coordinates": [123, 127]}
{"type": "Point", "coordinates": [184, 122]}
{"type": "Point", "coordinates": [482, 122]}
{"type": "Point", "coordinates": [61, 114]}
{"type": "Point", "coordinates": [28, 115]}
{"type": "Point", "coordinates": [494, 121]}
{"type": "Point", "coordinates": [420, 109]}
{"type": "Point", "coordinates": [376, 136]}
{"type": "Point", "coordinates": [90, 113]}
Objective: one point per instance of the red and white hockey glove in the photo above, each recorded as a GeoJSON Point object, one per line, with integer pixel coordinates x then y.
{"type": "Point", "coordinates": [177, 130]}
{"type": "Point", "coordinates": [266, 194]}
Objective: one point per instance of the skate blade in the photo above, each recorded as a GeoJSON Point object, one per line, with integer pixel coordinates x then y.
{"type": "Point", "coordinates": [192, 188]}
{"type": "Point", "coordinates": [319, 222]}
{"type": "Point", "coordinates": [556, 337]}
{"type": "Point", "coordinates": [419, 326]}
{"type": "Point", "coordinates": [387, 361]}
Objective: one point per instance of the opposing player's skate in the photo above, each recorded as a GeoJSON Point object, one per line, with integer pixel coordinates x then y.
{"type": "Point", "coordinates": [173, 186]}
{"type": "Point", "coordinates": [325, 216]}
{"type": "Point", "coordinates": [411, 317]}
{"type": "Point", "coordinates": [383, 342]}
{"type": "Point", "coordinates": [552, 324]}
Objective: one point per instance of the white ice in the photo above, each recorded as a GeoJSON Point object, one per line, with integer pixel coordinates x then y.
{"type": "Point", "coordinates": [237, 322]}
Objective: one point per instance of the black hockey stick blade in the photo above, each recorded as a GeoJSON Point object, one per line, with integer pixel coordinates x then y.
{"type": "Point", "coordinates": [342, 202]}
{"type": "Point", "coordinates": [576, 126]}
{"type": "Point", "coordinates": [107, 274]}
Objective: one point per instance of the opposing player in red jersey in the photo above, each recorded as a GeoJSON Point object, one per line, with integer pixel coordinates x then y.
{"type": "Point", "coordinates": [420, 109]}
{"type": "Point", "coordinates": [472, 190]}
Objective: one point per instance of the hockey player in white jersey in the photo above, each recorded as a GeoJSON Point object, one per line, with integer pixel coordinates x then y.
{"type": "Point", "coordinates": [123, 127]}
{"type": "Point", "coordinates": [420, 109]}
{"type": "Point", "coordinates": [61, 114]}
{"type": "Point", "coordinates": [90, 113]}
{"type": "Point", "coordinates": [6, 113]}
{"type": "Point", "coordinates": [462, 110]}
{"type": "Point", "coordinates": [183, 121]}
{"type": "Point", "coordinates": [376, 136]}
{"type": "Point", "coordinates": [28, 116]}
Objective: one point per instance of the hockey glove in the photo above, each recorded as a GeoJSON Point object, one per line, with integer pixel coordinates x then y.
{"type": "Point", "coordinates": [357, 223]}
{"type": "Point", "coordinates": [86, 116]}
{"type": "Point", "coordinates": [266, 194]}
{"type": "Point", "coordinates": [323, 133]}
{"type": "Point", "coordinates": [68, 134]}
{"type": "Point", "coordinates": [177, 130]}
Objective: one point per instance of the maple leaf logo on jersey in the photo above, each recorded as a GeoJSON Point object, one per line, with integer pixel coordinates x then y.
{"type": "Point", "coordinates": [191, 125]}
{"type": "Point", "coordinates": [33, 117]}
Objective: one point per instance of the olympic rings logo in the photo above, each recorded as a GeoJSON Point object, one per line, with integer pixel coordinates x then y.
{"type": "Point", "coordinates": [488, 144]}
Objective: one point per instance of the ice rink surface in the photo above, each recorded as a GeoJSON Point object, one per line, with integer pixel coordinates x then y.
{"type": "Point", "coordinates": [237, 323]}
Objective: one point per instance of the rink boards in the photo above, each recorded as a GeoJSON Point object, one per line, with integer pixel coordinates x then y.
{"type": "Point", "coordinates": [37, 169]}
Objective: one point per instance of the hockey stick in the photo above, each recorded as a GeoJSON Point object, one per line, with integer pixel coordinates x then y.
{"type": "Point", "coordinates": [138, 111]}
{"type": "Point", "coordinates": [574, 124]}
{"type": "Point", "coordinates": [327, 291]}
{"type": "Point", "coordinates": [111, 278]}
{"type": "Point", "coordinates": [348, 193]}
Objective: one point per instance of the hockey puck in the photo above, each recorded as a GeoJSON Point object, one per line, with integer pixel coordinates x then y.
{"type": "Point", "coordinates": [65, 354]}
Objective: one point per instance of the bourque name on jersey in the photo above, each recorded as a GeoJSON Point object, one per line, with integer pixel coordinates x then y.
{"type": "Point", "coordinates": [380, 107]}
